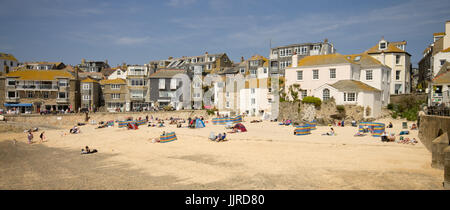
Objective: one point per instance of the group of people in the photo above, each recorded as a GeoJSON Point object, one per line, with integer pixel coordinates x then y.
{"type": "Point", "coordinates": [286, 122]}
{"type": "Point", "coordinates": [30, 136]}
{"type": "Point", "coordinates": [219, 137]}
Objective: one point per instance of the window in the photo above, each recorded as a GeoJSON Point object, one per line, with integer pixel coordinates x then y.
{"type": "Point", "coordinates": [11, 82]}
{"type": "Point", "coordinates": [303, 50]}
{"type": "Point", "coordinates": [304, 93]}
{"type": "Point", "coordinates": [86, 87]}
{"type": "Point", "coordinates": [137, 82]}
{"type": "Point", "coordinates": [45, 94]}
{"type": "Point", "coordinates": [115, 86]}
{"type": "Point", "coordinates": [253, 91]}
{"type": "Point", "coordinates": [325, 94]}
{"type": "Point", "coordinates": [30, 94]}
{"type": "Point", "coordinates": [162, 83]}
{"type": "Point", "coordinates": [349, 96]}
{"type": "Point", "coordinates": [11, 94]}
{"type": "Point", "coordinates": [86, 97]}
{"type": "Point", "coordinates": [275, 52]}
{"type": "Point", "coordinates": [197, 95]}
{"type": "Point", "coordinates": [315, 74]}
{"type": "Point", "coordinates": [253, 101]}
{"type": "Point", "coordinates": [242, 70]}
{"type": "Point", "coordinates": [282, 53]}
{"type": "Point", "coordinates": [228, 104]}
{"type": "Point", "coordinates": [442, 61]}
{"type": "Point", "coordinates": [118, 72]}
{"type": "Point", "coordinates": [265, 70]}
{"type": "Point", "coordinates": [115, 96]}
{"type": "Point", "coordinates": [254, 63]}
{"type": "Point", "coordinates": [316, 47]}
{"type": "Point", "coordinates": [397, 59]}
{"type": "Point", "coordinates": [209, 67]}
{"type": "Point", "coordinates": [369, 75]}
{"type": "Point", "coordinates": [382, 45]}
{"type": "Point", "coordinates": [397, 75]}
{"type": "Point", "coordinates": [173, 83]}
{"type": "Point", "coordinates": [332, 73]}
{"type": "Point", "coordinates": [299, 75]}
{"type": "Point", "coordinates": [62, 83]}
{"type": "Point", "coordinates": [253, 71]}
{"type": "Point", "coordinates": [64, 95]}
{"type": "Point", "coordinates": [227, 94]}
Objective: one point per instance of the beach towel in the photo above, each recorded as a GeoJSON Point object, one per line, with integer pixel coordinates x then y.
{"type": "Point", "coordinates": [404, 132]}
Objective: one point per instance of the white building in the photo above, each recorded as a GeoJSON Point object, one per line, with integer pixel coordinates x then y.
{"type": "Point", "coordinates": [7, 62]}
{"type": "Point", "coordinates": [443, 47]}
{"type": "Point", "coordinates": [118, 74]}
{"type": "Point", "coordinates": [349, 79]}
{"type": "Point", "coordinates": [394, 55]}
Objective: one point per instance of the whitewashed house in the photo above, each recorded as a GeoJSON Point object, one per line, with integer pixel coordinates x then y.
{"type": "Point", "coordinates": [349, 79]}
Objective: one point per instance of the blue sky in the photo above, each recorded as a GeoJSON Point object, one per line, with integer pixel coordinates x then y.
{"type": "Point", "coordinates": [136, 32]}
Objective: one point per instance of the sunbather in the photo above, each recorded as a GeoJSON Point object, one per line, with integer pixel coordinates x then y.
{"type": "Point", "coordinates": [331, 133]}
{"type": "Point", "coordinates": [360, 134]}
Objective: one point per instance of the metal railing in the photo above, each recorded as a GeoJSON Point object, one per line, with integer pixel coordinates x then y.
{"type": "Point", "coordinates": [438, 110]}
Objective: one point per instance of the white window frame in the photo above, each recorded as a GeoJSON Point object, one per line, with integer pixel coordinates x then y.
{"type": "Point", "coordinates": [85, 97]}
{"type": "Point", "coordinates": [115, 86]}
{"type": "Point", "coordinates": [86, 86]}
{"type": "Point", "coordinates": [65, 94]}
{"type": "Point", "coordinates": [369, 75]}
{"type": "Point", "coordinates": [300, 75]}
{"type": "Point", "coordinates": [314, 74]}
{"type": "Point", "coordinates": [162, 84]}
{"type": "Point", "coordinates": [397, 76]}
{"type": "Point", "coordinates": [398, 59]}
{"type": "Point", "coordinates": [115, 96]}
{"type": "Point", "coordinates": [173, 84]}
{"type": "Point", "coordinates": [332, 73]}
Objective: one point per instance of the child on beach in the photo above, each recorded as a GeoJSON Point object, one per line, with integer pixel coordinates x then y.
{"type": "Point", "coordinates": [42, 136]}
{"type": "Point", "coordinates": [30, 137]}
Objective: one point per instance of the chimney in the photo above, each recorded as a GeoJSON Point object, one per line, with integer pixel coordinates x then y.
{"type": "Point", "coordinates": [242, 59]}
{"type": "Point", "coordinates": [295, 60]}
{"type": "Point", "coordinates": [106, 61]}
{"type": "Point", "coordinates": [326, 40]}
{"type": "Point", "coordinates": [206, 53]}
{"type": "Point", "coordinates": [83, 61]}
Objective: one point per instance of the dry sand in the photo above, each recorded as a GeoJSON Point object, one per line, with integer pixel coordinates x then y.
{"type": "Point", "coordinates": [268, 156]}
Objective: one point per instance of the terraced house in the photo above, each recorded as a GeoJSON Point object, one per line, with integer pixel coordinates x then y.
{"type": "Point", "coordinates": [33, 91]}
{"type": "Point", "coordinates": [114, 93]}
{"type": "Point", "coordinates": [42, 65]}
{"type": "Point", "coordinates": [209, 63]}
{"type": "Point", "coordinates": [138, 88]}
{"type": "Point", "coordinates": [90, 94]}
{"type": "Point", "coordinates": [164, 85]}
{"type": "Point", "coordinates": [281, 56]}
{"type": "Point", "coordinates": [93, 66]}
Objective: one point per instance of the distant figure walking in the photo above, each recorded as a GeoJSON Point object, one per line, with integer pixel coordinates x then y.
{"type": "Point", "coordinates": [42, 136]}
{"type": "Point", "coordinates": [30, 137]}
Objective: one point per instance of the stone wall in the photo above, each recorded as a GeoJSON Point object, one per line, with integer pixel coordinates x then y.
{"type": "Point", "coordinates": [72, 119]}
{"type": "Point", "coordinates": [395, 99]}
{"type": "Point", "coordinates": [432, 127]}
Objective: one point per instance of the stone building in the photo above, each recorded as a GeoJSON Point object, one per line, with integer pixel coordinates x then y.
{"type": "Point", "coordinates": [93, 66]}
{"type": "Point", "coordinates": [138, 88]}
{"type": "Point", "coordinates": [163, 87]}
{"type": "Point", "coordinates": [33, 91]}
{"type": "Point", "coordinates": [115, 94]}
{"type": "Point", "coordinates": [90, 94]}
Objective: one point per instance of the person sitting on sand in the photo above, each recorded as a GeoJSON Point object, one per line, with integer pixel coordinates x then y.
{"type": "Point", "coordinates": [413, 126]}
{"type": "Point", "coordinates": [390, 125]}
{"type": "Point", "coordinates": [384, 137]}
{"type": "Point", "coordinates": [218, 137]}
{"type": "Point", "coordinates": [391, 137]}
{"type": "Point", "coordinates": [223, 137]}
{"type": "Point", "coordinates": [331, 133]}
{"type": "Point", "coordinates": [161, 124]}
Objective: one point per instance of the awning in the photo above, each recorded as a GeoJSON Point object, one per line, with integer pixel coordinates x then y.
{"type": "Point", "coordinates": [17, 105]}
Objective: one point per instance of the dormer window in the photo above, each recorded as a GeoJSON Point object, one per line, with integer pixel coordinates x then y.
{"type": "Point", "coordinates": [383, 45]}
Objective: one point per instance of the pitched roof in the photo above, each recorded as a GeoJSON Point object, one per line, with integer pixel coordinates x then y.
{"type": "Point", "coordinates": [365, 60]}
{"type": "Point", "coordinates": [4, 56]}
{"type": "Point", "coordinates": [353, 85]}
{"type": "Point", "coordinates": [32, 74]}
{"type": "Point", "coordinates": [391, 48]}
{"type": "Point", "coordinates": [443, 76]}
{"type": "Point", "coordinates": [316, 60]}
{"type": "Point", "coordinates": [167, 73]}
{"type": "Point", "coordinates": [89, 80]}
{"type": "Point", "coordinates": [446, 50]}
{"type": "Point", "coordinates": [113, 81]}
{"type": "Point", "coordinates": [439, 34]}
{"type": "Point", "coordinates": [108, 71]}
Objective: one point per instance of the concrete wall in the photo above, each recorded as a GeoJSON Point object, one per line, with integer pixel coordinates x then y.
{"type": "Point", "coordinates": [432, 127]}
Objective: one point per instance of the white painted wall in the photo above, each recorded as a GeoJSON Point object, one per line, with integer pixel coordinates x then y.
{"type": "Point", "coordinates": [437, 61]}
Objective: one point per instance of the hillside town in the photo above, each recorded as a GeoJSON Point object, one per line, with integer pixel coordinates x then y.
{"type": "Point", "coordinates": [366, 79]}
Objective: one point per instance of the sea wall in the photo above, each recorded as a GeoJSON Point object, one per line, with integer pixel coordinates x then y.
{"type": "Point", "coordinates": [431, 127]}
{"type": "Point", "coordinates": [72, 119]}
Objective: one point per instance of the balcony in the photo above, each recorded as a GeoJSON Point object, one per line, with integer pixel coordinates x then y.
{"type": "Point", "coordinates": [37, 87]}
{"type": "Point", "coordinates": [62, 100]}
{"type": "Point", "coordinates": [12, 99]}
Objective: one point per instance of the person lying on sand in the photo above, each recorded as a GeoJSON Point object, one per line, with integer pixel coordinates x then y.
{"type": "Point", "coordinates": [255, 121]}
{"type": "Point", "coordinates": [331, 133]}
{"type": "Point", "coordinates": [221, 137]}
{"type": "Point", "coordinates": [88, 151]}
{"type": "Point", "coordinates": [359, 134]}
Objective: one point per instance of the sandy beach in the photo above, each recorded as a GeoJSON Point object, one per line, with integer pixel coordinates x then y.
{"type": "Point", "coordinates": [268, 156]}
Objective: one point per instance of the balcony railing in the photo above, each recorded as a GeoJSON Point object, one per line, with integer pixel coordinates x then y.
{"type": "Point", "coordinates": [62, 100]}
{"type": "Point", "coordinates": [36, 87]}
{"type": "Point", "coordinates": [16, 99]}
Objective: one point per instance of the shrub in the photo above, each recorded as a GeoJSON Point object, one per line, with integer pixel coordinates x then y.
{"type": "Point", "coordinates": [168, 108]}
{"type": "Point", "coordinates": [394, 115]}
{"type": "Point", "coordinates": [390, 106]}
{"type": "Point", "coordinates": [340, 108]}
{"type": "Point", "coordinates": [312, 100]}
